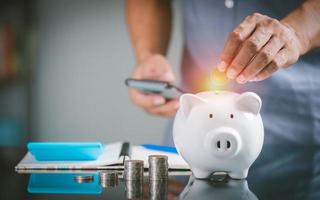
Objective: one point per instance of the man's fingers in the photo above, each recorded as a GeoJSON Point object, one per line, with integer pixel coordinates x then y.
{"type": "Point", "coordinates": [258, 47]}
{"type": "Point", "coordinates": [154, 104]}
{"type": "Point", "coordinates": [146, 100]}
{"type": "Point", "coordinates": [263, 58]}
{"type": "Point", "coordinates": [234, 41]}
{"type": "Point", "coordinates": [154, 73]}
{"type": "Point", "coordinates": [279, 61]}
{"type": "Point", "coordinates": [167, 110]}
{"type": "Point", "coordinates": [236, 38]}
{"type": "Point", "coordinates": [158, 69]}
{"type": "Point", "coordinates": [249, 50]}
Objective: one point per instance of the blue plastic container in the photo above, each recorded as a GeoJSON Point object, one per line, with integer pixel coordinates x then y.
{"type": "Point", "coordinates": [62, 184]}
{"type": "Point", "coordinates": [65, 151]}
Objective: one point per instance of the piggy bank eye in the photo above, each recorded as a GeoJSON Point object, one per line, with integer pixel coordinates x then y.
{"type": "Point", "coordinates": [210, 115]}
{"type": "Point", "coordinates": [231, 116]}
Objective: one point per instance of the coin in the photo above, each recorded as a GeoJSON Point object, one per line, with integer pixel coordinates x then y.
{"type": "Point", "coordinates": [108, 179]}
{"type": "Point", "coordinates": [218, 79]}
{"type": "Point", "coordinates": [83, 178]}
{"type": "Point", "coordinates": [133, 170]}
{"type": "Point", "coordinates": [134, 189]}
{"type": "Point", "coordinates": [158, 189]}
{"type": "Point", "coordinates": [158, 167]}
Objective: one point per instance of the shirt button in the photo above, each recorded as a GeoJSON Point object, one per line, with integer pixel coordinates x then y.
{"type": "Point", "coordinates": [229, 3]}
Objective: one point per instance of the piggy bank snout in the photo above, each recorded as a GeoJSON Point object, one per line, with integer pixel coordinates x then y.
{"type": "Point", "coordinates": [223, 142]}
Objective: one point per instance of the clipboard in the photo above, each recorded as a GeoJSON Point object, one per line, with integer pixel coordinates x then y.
{"type": "Point", "coordinates": [113, 156]}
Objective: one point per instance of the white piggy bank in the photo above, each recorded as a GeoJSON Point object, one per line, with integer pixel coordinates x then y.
{"type": "Point", "coordinates": [219, 132]}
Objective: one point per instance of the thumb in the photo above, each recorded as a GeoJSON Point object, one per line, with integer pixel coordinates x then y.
{"type": "Point", "coordinates": [168, 76]}
{"type": "Point", "coordinates": [158, 68]}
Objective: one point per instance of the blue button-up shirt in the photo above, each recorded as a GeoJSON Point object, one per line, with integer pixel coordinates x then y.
{"type": "Point", "coordinates": [291, 97]}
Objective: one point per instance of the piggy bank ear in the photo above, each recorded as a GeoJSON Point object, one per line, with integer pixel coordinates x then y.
{"type": "Point", "coordinates": [188, 101]}
{"type": "Point", "coordinates": [249, 102]}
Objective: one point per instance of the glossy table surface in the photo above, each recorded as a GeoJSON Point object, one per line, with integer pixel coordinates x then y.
{"type": "Point", "coordinates": [278, 173]}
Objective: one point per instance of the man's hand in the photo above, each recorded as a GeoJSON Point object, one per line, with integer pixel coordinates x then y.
{"type": "Point", "coordinates": [258, 47]}
{"type": "Point", "coordinates": [155, 67]}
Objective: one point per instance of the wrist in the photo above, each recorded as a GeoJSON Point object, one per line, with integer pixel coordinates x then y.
{"type": "Point", "coordinates": [303, 44]}
{"type": "Point", "coordinates": [144, 51]}
{"type": "Point", "coordinates": [143, 55]}
{"type": "Point", "coordinates": [304, 22]}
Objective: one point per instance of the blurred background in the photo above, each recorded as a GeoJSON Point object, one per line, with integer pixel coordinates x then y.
{"type": "Point", "coordinates": [62, 69]}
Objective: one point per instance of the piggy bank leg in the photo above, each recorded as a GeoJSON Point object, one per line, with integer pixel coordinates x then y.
{"type": "Point", "coordinates": [239, 174]}
{"type": "Point", "coordinates": [201, 174]}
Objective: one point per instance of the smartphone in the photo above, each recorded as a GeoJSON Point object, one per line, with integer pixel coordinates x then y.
{"type": "Point", "coordinates": [165, 89]}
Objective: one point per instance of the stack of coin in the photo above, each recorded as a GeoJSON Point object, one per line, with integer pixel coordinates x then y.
{"type": "Point", "coordinates": [108, 179]}
{"type": "Point", "coordinates": [133, 170]}
{"type": "Point", "coordinates": [134, 189]}
{"type": "Point", "coordinates": [83, 179]}
{"type": "Point", "coordinates": [158, 167]}
{"type": "Point", "coordinates": [158, 189]}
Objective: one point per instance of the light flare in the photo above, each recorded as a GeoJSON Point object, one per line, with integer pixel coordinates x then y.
{"type": "Point", "coordinates": [218, 80]}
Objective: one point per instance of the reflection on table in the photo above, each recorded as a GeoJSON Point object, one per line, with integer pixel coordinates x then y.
{"type": "Point", "coordinates": [279, 173]}
{"type": "Point", "coordinates": [94, 184]}
{"type": "Point", "coordinates": [224, 189]}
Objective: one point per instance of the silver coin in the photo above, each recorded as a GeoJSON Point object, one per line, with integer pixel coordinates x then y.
{"type": "Point", "coordinates": [108, 179]}
{"type": "Point", "coordinates": [134, 189]}
{"type": "Point", "coordinates": [158, 167]}
{"type": "Point", "coordinates": [158, 189]}
{"type": "Point", "coordinates": [133, 170]}
{"type": "Point", "coordinates": [83, 179]}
